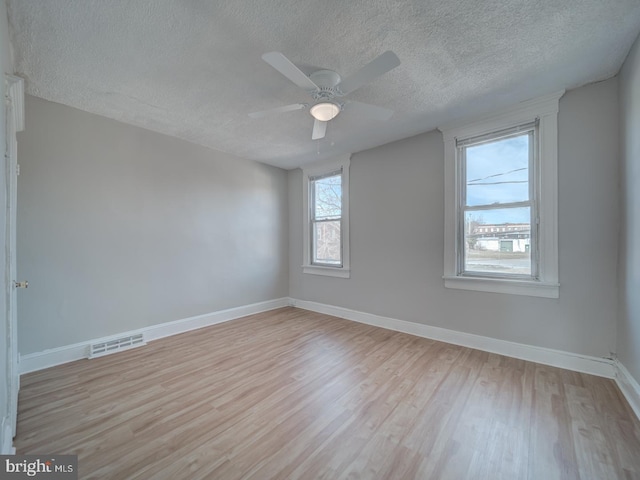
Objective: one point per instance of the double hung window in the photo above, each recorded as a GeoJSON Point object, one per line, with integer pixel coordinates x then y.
{"type": "Point", "coordinates": [326, 218]}
{"type": "Point", "coordinates": [498, 209]}
{"type": "Point", "coordinates": [501, 199]}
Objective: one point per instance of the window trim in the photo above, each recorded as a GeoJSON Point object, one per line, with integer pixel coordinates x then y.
{"type": "Point", "coordinates": [315, 170]}
{"type": "Point", "coordinates": [545, 110]}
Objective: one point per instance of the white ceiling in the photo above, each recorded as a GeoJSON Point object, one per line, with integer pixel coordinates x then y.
{"type": "Point", "coordinates": [193, 68]}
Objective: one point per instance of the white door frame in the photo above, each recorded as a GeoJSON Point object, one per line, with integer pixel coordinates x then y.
{"type": "Point", "coordinates": [14, 104]}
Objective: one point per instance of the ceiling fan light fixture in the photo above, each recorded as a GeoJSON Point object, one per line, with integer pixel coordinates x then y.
{"type": "Point", "coordinates": [324, 111]}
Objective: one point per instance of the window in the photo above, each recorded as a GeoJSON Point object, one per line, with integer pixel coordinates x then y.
{"type": "Point", "coordinates": [326, 212]}
{"type": "Point", "coordinates": [325, 217]}
{"type": "Point", "coordinates": [501, 202]}
{"type": "Point", "coordinates": [497, 188]}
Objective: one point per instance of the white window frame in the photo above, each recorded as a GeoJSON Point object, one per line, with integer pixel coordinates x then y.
{"type": "Point", "coordinates": [530, 129]}
{"type": "Point", "coordinates": [308, 173]}
{"type": "Point", "coordinates": [545, 111]}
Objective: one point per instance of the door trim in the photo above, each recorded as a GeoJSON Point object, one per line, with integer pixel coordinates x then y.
{"type": "Point", "coordinates": [14, 105]}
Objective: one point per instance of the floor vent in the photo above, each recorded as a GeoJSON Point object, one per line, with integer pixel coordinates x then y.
{"type": "Point", "coordinates": [117, 345]}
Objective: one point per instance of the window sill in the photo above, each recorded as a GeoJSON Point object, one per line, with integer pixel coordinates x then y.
{"type": "Point", "coordinates": [327, 271]}
{"type": "Point", "coordinates": [501, 285]}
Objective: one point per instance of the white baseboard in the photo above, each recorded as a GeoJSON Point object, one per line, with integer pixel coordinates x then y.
{"type": "Point", "coordinates": [602, 367]}
{"type": "Point", "coordinates": [6, 438]}
{"type": "Point", "coordinates": [69, 353]}
{"type": "Point", "coordinates": [629, 387]}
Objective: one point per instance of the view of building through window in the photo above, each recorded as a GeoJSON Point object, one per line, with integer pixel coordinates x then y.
{"type": "Point", "coordinates": [497, 248]}
{"type": "Point", "coordinates": [326, 196]}
{"type": "Point", "coordinates": [497, 205]}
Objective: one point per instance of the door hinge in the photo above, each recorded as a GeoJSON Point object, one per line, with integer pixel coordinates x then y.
{"type": "Point", "coordinates": [17, 169]}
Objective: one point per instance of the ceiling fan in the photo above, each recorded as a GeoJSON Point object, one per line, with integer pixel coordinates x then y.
{"type": "Point", "coordinates": [326, 87]}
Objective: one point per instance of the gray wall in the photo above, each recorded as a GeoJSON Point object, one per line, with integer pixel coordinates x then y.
{"type": "Point", "coordinates": [629, 318]}
{"type": "Point", "coordinates": [121, 228]}
{"type": "Point", "coordinates": [397, 239]}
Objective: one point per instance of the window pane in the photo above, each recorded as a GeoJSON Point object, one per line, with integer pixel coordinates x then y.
{"type": "Point", "coordinates": [327, 194]}
{"type": "Point", "coordinates": [498, 172]}
{"type": "Point", "coordinates": [498, 241]}
{"type": "Point", "coordinates": [326, 243]}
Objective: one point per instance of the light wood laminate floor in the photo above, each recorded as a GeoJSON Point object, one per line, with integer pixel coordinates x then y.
{"type": "Point", "coordinates": [295, 394]}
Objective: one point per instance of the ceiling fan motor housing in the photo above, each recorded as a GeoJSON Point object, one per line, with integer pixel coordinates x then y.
{"type": "Point", "coordinates": [326, 80]}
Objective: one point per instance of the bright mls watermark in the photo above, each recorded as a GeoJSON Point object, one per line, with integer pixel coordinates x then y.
{"type": "Point", "coordinates": [55, 467]}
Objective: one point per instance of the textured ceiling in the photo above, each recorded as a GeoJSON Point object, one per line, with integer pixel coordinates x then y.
{"type": "Point", "coordinates": [193, 68]}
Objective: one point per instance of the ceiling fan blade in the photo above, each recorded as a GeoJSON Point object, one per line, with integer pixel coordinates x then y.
{"type": "Point", "coordinates": [285, 108]}
{"type": "Point", "coordinates": [368, 111]}
{"type": "Point", "coordinates": [319, 130]}
{"type": "Point", "coordinates": [281, 63]}
{"type": "Point", "coordinates": [372, 70]}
